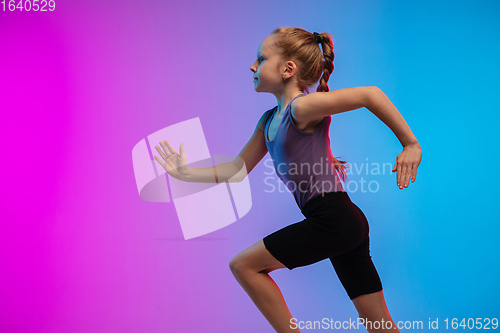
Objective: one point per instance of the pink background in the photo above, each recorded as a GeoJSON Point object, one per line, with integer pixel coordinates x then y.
{"type": "Point", "coordinates": [80, 86]}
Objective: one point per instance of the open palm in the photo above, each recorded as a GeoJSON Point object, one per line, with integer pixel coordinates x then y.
{"type": "Point", "coordinates": [173, 163]}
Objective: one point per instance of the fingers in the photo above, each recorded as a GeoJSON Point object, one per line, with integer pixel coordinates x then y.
{"type": "Point", "coordinates": [408, 176]}
{"type": "Point", "coordinates": [405, 176]}
{"type": "Point", "coordinates": [161, 152]}
{"type": "Point", "coordinates": [167, 151]}
{"type": "Point", "coordinates": [406, 173]}
{"type": "Point", "coordinates": [415, 166]}
{"type": "Point", "coordinates": [159, 161]}
{"type": "Point", "coordinates": [170, 148]}
{"type": "Point", "coordinates": [181, 150]}
{"type": "Point", "coordinates": [399, 175]}
{"type": "Point", "coordinates": [406, 167]}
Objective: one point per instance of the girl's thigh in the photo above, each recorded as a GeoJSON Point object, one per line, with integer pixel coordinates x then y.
{"type": "Point", "coordinates": [356, 271]}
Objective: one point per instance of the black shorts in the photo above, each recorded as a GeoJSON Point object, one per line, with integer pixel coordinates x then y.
{"type": "Point", "coordinates": [334, 228]}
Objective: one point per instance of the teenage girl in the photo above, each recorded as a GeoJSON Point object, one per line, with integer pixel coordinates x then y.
{"type": "Point", "coordinates": [295, 132]}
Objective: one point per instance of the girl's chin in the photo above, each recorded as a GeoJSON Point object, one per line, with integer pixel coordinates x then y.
{"type": "Point", "coordinates": [257, 87]}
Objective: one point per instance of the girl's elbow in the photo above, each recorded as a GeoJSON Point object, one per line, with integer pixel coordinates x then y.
{"type": "Point", "coordinates": [372, 93]}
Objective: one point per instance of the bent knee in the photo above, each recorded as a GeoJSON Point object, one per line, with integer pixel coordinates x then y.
{"type": "Point", "coordinates": [235, 264]}
{"type": "Point", "coordinates": [240, 264]}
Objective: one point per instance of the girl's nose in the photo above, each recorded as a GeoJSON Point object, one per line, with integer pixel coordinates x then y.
{"type": "Point", "coordinates": [253, 68]}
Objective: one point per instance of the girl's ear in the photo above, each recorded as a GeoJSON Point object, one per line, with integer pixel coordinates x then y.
{"type": "Point", "coordinates": [290, 68]}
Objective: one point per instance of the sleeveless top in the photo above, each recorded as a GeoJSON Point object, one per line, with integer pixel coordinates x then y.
{"type": "Point", "coordinates": [302, 160]}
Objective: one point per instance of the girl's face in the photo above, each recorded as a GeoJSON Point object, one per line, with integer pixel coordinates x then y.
{"type": "Point", "coordinates": [267, 68]}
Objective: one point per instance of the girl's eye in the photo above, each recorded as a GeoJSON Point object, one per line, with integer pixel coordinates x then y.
{"type": "Point", "coordinates": [261, 59]}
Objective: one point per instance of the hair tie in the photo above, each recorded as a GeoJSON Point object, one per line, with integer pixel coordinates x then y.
{"type": "Point", "coordinates": [318, 37]}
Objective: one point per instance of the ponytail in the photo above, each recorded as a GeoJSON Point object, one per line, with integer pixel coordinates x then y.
{"type": "Point", "coordinates": [328, 56]}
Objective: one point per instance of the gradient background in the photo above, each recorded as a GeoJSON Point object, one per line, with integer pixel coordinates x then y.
{"type": "Point", "coordinates": [80, 86]}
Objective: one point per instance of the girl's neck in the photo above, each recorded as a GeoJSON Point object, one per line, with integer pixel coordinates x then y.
{"type": "Point", "coordinates": [285, 97]}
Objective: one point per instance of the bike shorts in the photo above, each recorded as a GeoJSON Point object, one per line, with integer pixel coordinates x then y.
{"type": "Point", "coordinates": [334, 228]}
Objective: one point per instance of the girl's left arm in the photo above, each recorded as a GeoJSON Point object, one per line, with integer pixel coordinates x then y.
{"type": "Point", "coordinates": [316, 106]}
{"type": "Point", "coordinates": [409, 159]}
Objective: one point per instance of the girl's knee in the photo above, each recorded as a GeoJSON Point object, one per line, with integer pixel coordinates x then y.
{"type": "Point", "coordinates": [256, 258]}
{"type": "Point", "coordinates": [236, 264]}
{"type": "Point", "coordinates": [233, 263]}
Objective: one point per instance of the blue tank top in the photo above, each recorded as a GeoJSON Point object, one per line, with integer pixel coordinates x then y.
{"type": "Point", "coordinates": [302, 160]}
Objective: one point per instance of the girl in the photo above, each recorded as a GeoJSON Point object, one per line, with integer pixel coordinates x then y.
{"type": "Point", "coordinates": [295, 132]}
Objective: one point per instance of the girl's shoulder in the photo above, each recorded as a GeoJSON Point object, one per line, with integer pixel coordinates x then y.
{"type": "Point", "coordinates": [265, 117]}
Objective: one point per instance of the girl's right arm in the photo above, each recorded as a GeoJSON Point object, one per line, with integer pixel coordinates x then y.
{"type": "Point", "coordinates": [233, 171]}
{"type": "Point", "coordinates": [255, 149]}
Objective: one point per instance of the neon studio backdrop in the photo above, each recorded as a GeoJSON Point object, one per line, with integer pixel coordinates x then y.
{"type": "Point", "coordinates": [93, 237]}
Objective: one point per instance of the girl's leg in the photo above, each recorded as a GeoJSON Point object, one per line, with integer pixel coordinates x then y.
{"type": "Point", "coordinates": [372, 308]}
{"type": "Point", "coordinates": [250, 267]}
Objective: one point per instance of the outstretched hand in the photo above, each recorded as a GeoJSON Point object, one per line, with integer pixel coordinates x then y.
{"type": "Point", "coordinates": [175, 165]}
{"type": "Point", "coordinates": [407, 163]}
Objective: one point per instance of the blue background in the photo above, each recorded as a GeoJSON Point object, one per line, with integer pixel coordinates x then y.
{"type": "Point", "coordinates": [80, 86]}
